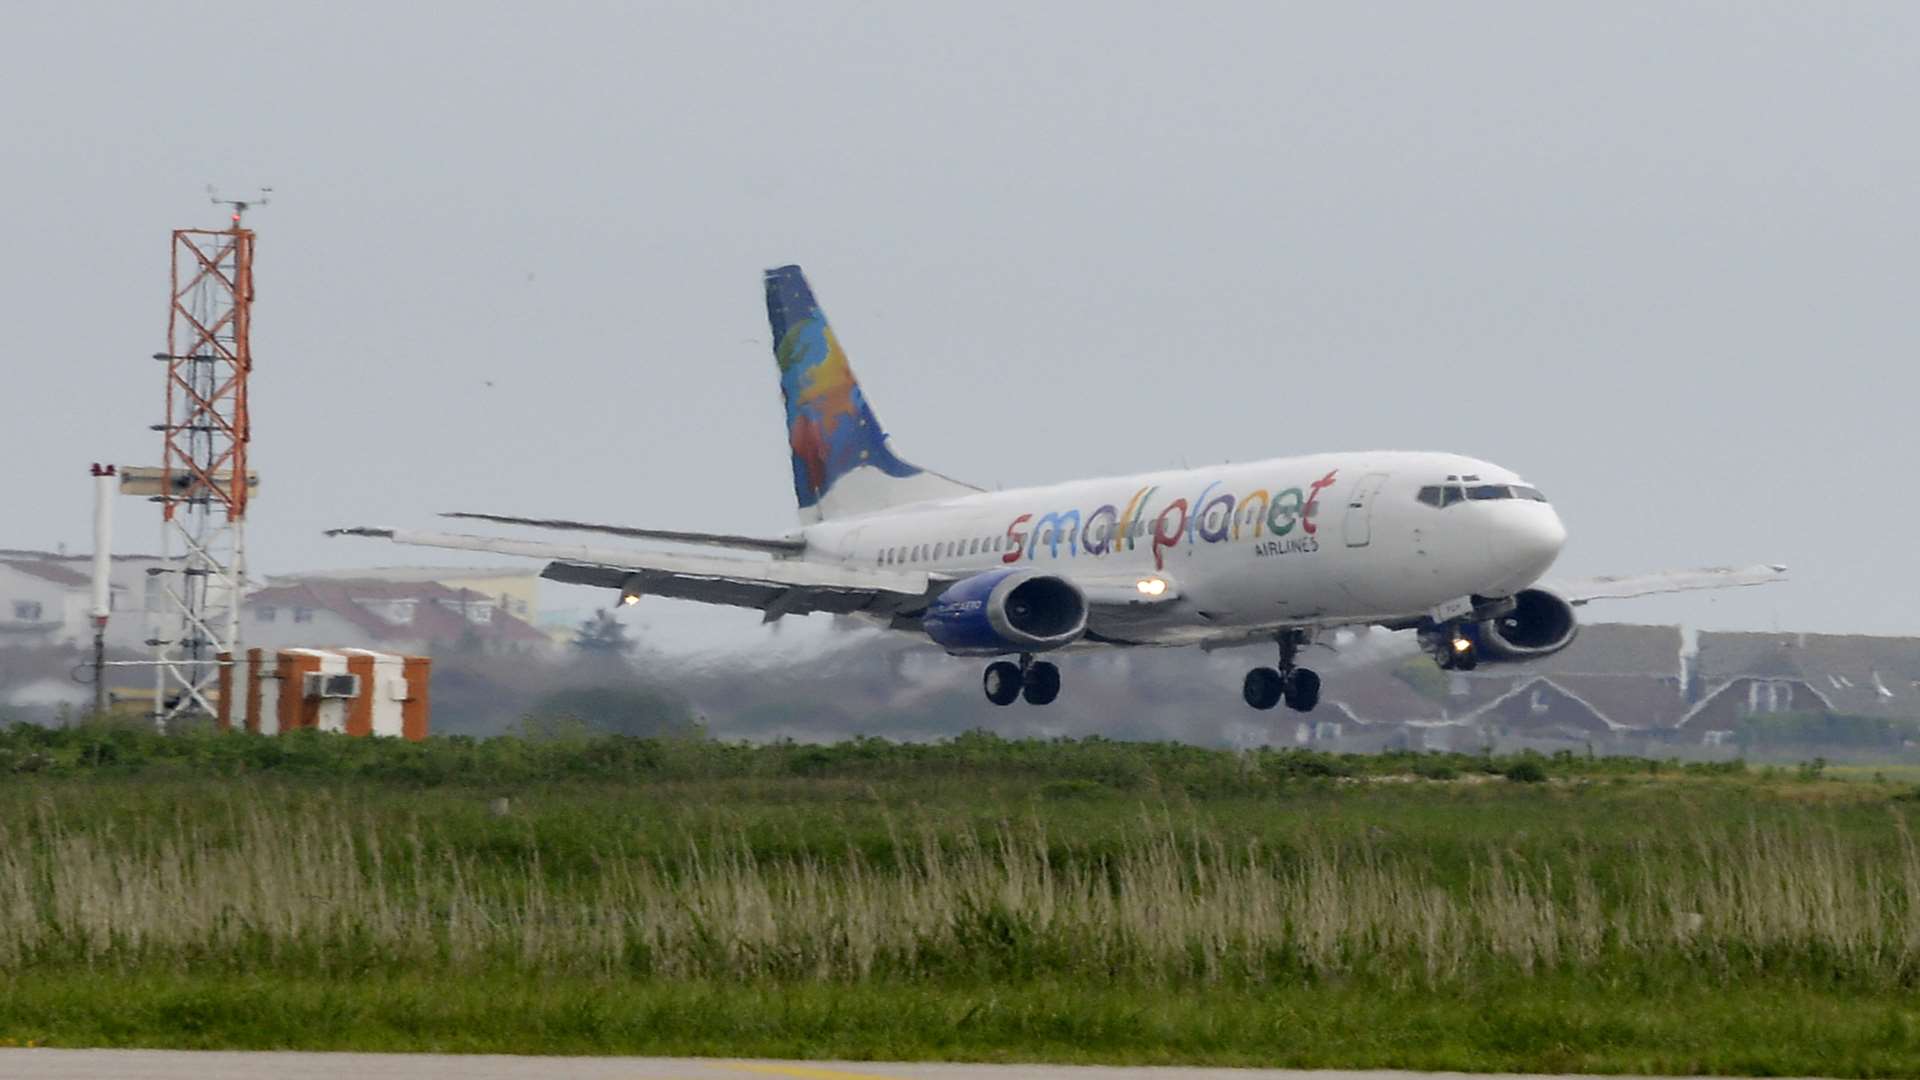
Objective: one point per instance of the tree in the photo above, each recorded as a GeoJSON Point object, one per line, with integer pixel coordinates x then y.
{"type": "Point", "coordinates": [603, 635]}
{"type": "Point", "coordinates": [640, 710]}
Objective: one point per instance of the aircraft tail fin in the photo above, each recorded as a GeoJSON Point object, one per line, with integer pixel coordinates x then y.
{"type": "Point", "coordinates": [843, 461]}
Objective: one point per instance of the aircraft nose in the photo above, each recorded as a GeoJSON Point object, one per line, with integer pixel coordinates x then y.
{"type": "Point", "coordinates": [1528, 539]}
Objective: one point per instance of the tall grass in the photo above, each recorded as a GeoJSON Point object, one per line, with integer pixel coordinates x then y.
{"type": "Point", "coordinates": [315, 886]}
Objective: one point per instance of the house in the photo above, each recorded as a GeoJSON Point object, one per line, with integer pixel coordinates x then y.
{"type": "Point", "coordinates": [514, 589]}
{"type": "Point", "coordinates": [1376, 710]}
{"type": "Point", "coordinates": [44, 603]}
{"type": "Point", "coordinates": [135, 593]}
{"type": "Point", "coordinates": [420, 618]}
{"type": "Point", "coordinates": [1614, 683]}
{"type": "Point", "coordinates": [1743, 675]}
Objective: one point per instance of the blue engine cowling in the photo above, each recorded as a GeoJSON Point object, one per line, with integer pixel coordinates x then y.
{"type": "Point", "coordinates": [1540, 624]}
{"type": "Point", "coordinates": [1006, 611]}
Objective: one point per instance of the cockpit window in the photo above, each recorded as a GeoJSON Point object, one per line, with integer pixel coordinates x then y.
{"type": "Point", "coordinates": [1480, 492]}
{"type": "Point", "coordinates": [1442, 494]}
{"type": "Point", "coordinates": [1521, 491]}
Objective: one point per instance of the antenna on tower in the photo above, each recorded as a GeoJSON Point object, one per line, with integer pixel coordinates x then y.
{"type": "Point", "coordinates": [239, 207]}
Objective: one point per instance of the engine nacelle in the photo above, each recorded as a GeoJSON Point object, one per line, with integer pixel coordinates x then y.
{"type": "Point", "coordinates": [1004, 611]}
{"type": "Point", "coordinates": [1540, 624]}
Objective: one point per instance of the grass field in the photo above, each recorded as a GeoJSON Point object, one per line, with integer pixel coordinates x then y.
{"type": "Point", "coordinates": [982, 899]}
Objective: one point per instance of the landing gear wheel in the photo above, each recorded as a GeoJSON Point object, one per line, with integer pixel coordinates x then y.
{"type": "Point", "coordinates": [1042, 683]}
{"type": "Point", "coordinates": [1263, 688]}
{"type": "Point", "coordinates": [1002, 682]}
{"type": "Point", "coordinates": [1302, 689]}
{"type": "Point", "coordinates": [1452, 657]}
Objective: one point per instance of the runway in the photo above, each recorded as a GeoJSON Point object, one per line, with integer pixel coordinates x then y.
{"type": "Point", "coordinates": [42, 1064]}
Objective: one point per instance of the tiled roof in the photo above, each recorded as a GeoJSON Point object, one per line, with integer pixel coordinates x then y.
{"type": "Point", "coordinates": [47, 571]}
{"type": "Point", "coordinates": [35, 555]}
{"type": "Point", "coordinates": [1630, 701]}
{"type": "Point", "coordinates": [432, 620]}
{"type": "Point", "coordinates": [1372, 695]}
{"type": "Point", "coordinates": [1585, 714]}
{"type": "Point", "coordinates": [1859, 674]}
{"type": "Point", "coordinates": [405, 574]}
{"type": "Point", "coordinates": [1614, 649]}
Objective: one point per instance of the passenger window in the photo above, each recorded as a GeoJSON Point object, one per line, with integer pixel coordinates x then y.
{"type": "Point", "coordinates": [1430, 495]}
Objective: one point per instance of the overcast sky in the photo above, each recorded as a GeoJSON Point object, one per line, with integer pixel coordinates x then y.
{"type": "Point", "coordinates": [1660, 259]}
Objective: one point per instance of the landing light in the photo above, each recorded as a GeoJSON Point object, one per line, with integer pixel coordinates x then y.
{"type": "Point", "coordinates": [1461, 644]}
{"type": "Point", "coordinates": [1151, 586]}
{"type": "Point", "coordinates": [630, 599]}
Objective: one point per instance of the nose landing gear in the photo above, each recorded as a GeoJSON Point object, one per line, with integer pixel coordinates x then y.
{"type": "Point", "coordinates": [1451, 647]}
{"type": "Point", "coordinates": [1297, 686]}
{"type": "Point", "coordinates": [1036, 680]}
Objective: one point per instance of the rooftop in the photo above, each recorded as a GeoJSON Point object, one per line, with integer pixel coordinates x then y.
{"type": "Point", "coordinates": [47, 571]}
{"type": "Point", "coordinates": [436, 613]}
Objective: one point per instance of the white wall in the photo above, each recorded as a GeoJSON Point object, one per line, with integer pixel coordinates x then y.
{"type": "Point", "coordinates": [62, 606]}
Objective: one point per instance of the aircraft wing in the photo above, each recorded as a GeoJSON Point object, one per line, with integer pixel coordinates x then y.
{"type": "Point", "coordinates": [1621, 587]}
{"type": "Point", "coordinates": [776, 587]}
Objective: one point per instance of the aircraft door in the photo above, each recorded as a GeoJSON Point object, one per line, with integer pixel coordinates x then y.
{"type": "Point", "coordinates": [1359, 524]}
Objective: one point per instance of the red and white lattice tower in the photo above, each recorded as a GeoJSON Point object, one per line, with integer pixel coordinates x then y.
{"type": "Point", "coordinates": [205, 481]}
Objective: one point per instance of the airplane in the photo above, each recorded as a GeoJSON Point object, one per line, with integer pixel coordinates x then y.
{"type": "Point", "coordinates": [1280, 551]}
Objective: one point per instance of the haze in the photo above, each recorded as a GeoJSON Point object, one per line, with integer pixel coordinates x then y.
{"type": "Point", "coordinates": [1660, 259]}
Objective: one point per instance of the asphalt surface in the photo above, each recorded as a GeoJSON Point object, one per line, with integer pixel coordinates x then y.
{"type": "Point", "coordinates": [24, 1064]}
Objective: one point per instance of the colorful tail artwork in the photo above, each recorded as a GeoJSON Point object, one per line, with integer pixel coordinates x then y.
{"type": "Point", "coordinates": [842, 464]}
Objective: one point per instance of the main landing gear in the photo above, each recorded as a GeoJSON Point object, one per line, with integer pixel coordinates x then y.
{"type": "Point", "coordinates": [1297, 686]}
{"type": "Point", "coordinates": [1036, 680]}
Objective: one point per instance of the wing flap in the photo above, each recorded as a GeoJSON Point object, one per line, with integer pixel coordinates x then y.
{"type": "Point", "coordinates": [778, 587]}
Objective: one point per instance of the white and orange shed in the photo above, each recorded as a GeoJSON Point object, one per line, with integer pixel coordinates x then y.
{"type": "Point", "coordinates": [350, 691]}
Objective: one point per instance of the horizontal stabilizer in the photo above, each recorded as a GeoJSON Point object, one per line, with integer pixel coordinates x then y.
{"type": "Point", "coordinates": [1626, 586]}
{"type": "Point", "coordinates": [726, 540]}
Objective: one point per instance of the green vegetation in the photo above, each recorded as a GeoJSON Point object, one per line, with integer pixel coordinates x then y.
{"type": "Point", "coordinates": [981, 898]}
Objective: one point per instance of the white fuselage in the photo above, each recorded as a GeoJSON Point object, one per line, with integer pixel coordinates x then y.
{"type": "Point", "coordinates": [1318, 540]}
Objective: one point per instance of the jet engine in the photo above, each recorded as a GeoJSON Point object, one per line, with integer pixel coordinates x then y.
{"type": "Point", "coordinates": [1540, 624]}
{"type": "Point", "coordinates": [1007, 611]}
